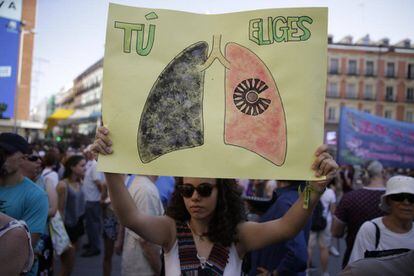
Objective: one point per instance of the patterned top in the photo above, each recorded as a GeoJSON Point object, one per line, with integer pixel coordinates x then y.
{"type": "Point", "coordinates": [189, 260]}
{"type": "Point", "coordinates": [355, 208]}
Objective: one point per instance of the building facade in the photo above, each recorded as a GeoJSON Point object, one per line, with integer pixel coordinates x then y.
{"type": "Point", "coordinates": [373, 77]}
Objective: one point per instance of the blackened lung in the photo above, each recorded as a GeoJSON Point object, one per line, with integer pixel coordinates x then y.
{"type": "Point", "coordinates": [172, 118]}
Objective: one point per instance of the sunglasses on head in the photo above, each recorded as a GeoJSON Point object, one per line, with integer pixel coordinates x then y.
{"type": "Point", "coordinates": [187, 190]}
{"type": "Point", "coordinates": [402, 197]}
{"type": "Point", "coordinates": [33, 158]}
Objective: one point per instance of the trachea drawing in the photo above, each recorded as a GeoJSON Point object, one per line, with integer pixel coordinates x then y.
{"type": "Point", "coordinates": [172, 118]}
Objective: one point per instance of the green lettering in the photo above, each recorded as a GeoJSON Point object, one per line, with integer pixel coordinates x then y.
{"type": "Point", "coordinates": [276, 29]}
{"type": "Point", "coordinates": [128, 28]}
{"type": "Point", "coordinates": [254, 30]}
{"type": "Point", "coordinates": [291, 29]}
{"type": "Point", "coordinates": [306, 32]}
{"type": "Point", "coordinates": [150, 41]}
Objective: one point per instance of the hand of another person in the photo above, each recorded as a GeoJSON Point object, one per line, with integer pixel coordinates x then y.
{"type": "Point", "coordinates": [102, 144]}
{"type": "Point", "coordinates": [324, 165]}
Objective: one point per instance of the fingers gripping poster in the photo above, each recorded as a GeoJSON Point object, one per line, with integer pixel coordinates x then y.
{"type": "Point", "coordinates": [236, 95]}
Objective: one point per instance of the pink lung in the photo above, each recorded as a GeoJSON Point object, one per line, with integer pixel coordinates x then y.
{"type": "Point", "coordinates": [255, 118]}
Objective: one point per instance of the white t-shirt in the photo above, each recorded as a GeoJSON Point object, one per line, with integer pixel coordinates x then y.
{"type": "Point", "coordinates": [327, 199]}
{"type": "Point", "coordinates": [50, 177]}
{"type": "Point", "coordinates": [89, 187]}
{"type": "Point", "coordinates": [147, 199]}
{"type": "Point", "coordinates": [365, 239]}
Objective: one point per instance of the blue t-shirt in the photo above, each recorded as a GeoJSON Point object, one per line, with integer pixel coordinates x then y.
{"type": "Point", "coordinates": [25, 201]}
{"type": "Point", "coordinates": [165, 186]}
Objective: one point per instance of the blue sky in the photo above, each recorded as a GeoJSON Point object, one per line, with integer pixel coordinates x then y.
{"type": "Point", "coordinates": [70, 35]}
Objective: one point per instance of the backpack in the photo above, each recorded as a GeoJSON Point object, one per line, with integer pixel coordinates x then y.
{"type": "Point", "coordinates": [382, 253]}
{"type": "Point", "coordinates": [318, 220]}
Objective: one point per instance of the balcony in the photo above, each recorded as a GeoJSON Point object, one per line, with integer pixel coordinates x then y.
{"type": "Point", "coordinates": [333, 71]}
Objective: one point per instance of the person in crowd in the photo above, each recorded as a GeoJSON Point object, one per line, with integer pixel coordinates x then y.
{"type": "Point", "coordinates": [110, 233]}
{"type": "Point", "coordinates": [20, 198]}
{"type": "Point", "coordinates": [71, 206]}
{"type": "Point", "coordinates": [50, 162]}
{"type": "Point", "coordinates": [359, 206]}
{"type": "Point", "coordinates": [288, 257]}
{"type": "Point", "coordinates": [165, 186]}
{"type": "Point", "coordinates": [323, 237]}
{"type": "Point", "coordinates": [394, 231]}
{"type": "Point", "coordinates": [399, 264]}
{"type": "Point", "coordinates": [139, 254]}
{"type": "Point", "coordinates": [16, 252]}
{"type": "Point", "coordinates": [92, 187]}
{"type": "Point", "coordinates": [31, 168]}
{"type": "Point", "coordinates": [346, 175]}
{"type": "Point", "coordinates": [204, 228]}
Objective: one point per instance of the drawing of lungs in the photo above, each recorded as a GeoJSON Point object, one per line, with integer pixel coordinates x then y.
{"type": "Point", "coordinates": [172, 118]}
{"type": "Point", "coordinates": [254, 117]}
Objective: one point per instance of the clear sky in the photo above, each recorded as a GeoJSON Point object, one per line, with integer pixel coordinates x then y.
{"type": "Point", "coordinates": [70, 35]}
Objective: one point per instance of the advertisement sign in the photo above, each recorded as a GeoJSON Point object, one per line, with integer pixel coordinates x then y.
{"type": "Point", "coordinates": [9, 57]}
{"type": "Point", "coordinates": [365, 137]}
{"type": "Point", "coordinates": [216, 95]}
{"type": "Point", "coordinates": [11, 9]}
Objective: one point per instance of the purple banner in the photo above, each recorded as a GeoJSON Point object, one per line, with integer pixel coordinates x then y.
{"type": "Point", "coordinates": [366, 137]}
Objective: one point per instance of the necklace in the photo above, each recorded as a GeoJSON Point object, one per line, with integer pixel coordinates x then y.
{"type": "Point", "coordinates": [200, 237]}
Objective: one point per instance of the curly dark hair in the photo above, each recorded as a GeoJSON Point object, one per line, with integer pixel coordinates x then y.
{"type": "Point", "coordinates": [71, 162]}
{"type": "Point", "coordinates": [229, 211]}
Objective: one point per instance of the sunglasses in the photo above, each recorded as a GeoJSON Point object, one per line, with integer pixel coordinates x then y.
{"type": "Point", "coordinates": [187, 190]}
{"type": "Point", "coordinates": [32, 158]}
{"type": "Point", "coordinates": [401, 197]}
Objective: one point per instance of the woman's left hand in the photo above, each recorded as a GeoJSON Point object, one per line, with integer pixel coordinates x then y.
{"type": "Point", "coordinates": [324, 165]}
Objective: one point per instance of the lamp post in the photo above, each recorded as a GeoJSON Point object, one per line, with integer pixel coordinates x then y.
{"type": "Point", "coordinates": [23, 32]}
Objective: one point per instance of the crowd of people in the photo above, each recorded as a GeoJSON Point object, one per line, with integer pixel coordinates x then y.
{"type": "Point", "coordinates": [162, 225]}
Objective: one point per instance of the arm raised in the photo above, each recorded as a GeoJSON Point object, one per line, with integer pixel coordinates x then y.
{"type": "Point", "coordinates": [258, 235]}
{"type": "Point", "coordinates": [156, 229]}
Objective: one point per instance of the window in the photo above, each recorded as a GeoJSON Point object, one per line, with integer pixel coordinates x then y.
{"type": "Point", "coordinates": [409, 116]}
{"type": "Point", "coordinates": [410, 94]}
{"type": "Point", "coordinates": [388, 114]}
{"type": "Point", "coordinates": [369, 68]}
{"type": "Point", "coordinates": [333, 90]}
{"type": "Point", "coordinates": [334, 66]}
{"type": "Point", "coordinates": [410, 72]}
{"type": "Point", "coordinates": [389, 93]}
{"type": "Point", "coordinates": [369, 92]}
{"type": "Point", "coordinates": [352, 67]}
{"type": "Point", "coordinates": [390, 70]}
{"type": "Point", "coordinates": [331, 113]}
{"type": "Point", "coordinates": [351, 92]}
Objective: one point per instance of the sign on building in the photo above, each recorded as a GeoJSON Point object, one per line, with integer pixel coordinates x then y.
{"type": "Point", "coordinates": [11, 9]}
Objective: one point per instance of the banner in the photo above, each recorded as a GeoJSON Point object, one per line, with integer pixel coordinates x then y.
{"type": "Point", "coordinates": [218, 95]}
{"type": "Point", "coordinates": [365, 137]}
{"type": "Point", "coordinates": [9, 58]}
{"type": "Point", "coordinates": [11, 9]}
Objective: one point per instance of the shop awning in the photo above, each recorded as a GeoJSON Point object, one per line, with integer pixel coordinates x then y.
{"type": "Point", "coordinates": [58, 115]}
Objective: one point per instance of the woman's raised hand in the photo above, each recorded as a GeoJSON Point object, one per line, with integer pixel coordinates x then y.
{"type": "Point", "coordinates": [324, 165]}
{"type": "Point", "coordinates": [102, 144]}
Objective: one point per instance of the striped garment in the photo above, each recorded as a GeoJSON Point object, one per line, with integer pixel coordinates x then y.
{"type": "Point", "coordinates": [189, 261]}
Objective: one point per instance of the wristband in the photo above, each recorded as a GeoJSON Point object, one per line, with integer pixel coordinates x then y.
{"type": "Point", "coordinates": [307, 194]}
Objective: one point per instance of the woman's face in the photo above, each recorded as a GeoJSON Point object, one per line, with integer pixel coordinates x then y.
{"type": "Point", "coordinates": [402, 206]}
{"type": "Point", "coordinates": [79, 169]}
{"type": "Point", "coordinates": [199, 204]}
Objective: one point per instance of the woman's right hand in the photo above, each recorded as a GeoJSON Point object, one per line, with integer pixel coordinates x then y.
{"type": "Point", "coordinates": [102, 144]}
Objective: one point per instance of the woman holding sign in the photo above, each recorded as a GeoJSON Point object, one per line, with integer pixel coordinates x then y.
{"type": "Point", "coordinates": [204, 229]}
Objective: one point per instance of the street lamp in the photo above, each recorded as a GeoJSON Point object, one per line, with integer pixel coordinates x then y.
{"type": "Point", "coordinates": [23, 32]}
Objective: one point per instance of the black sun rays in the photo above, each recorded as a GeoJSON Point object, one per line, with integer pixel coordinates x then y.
{"type": "Point", "coordinates": [246, 97]}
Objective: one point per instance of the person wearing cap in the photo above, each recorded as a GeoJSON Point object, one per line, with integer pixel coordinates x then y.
{"type": "Point", "coordinates": [395, 230]}
{"type": "Point", "coordinates": [359, 206]}
{"type": "Point", "coordinates": [20, 198]}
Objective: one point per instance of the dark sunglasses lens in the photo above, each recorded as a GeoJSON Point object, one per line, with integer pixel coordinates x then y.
{"type": "Point", "coordinates": [186, 190]}
{"type": "Point", "coordinates": [402, 197]}
{"type": "Point", "coordinates": [204, 189]}
{"type": "Point", "coordinates": [33, 158]}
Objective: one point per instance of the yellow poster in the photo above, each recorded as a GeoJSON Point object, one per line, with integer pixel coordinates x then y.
{"type": "Point", "coordinates": [236, 95]}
